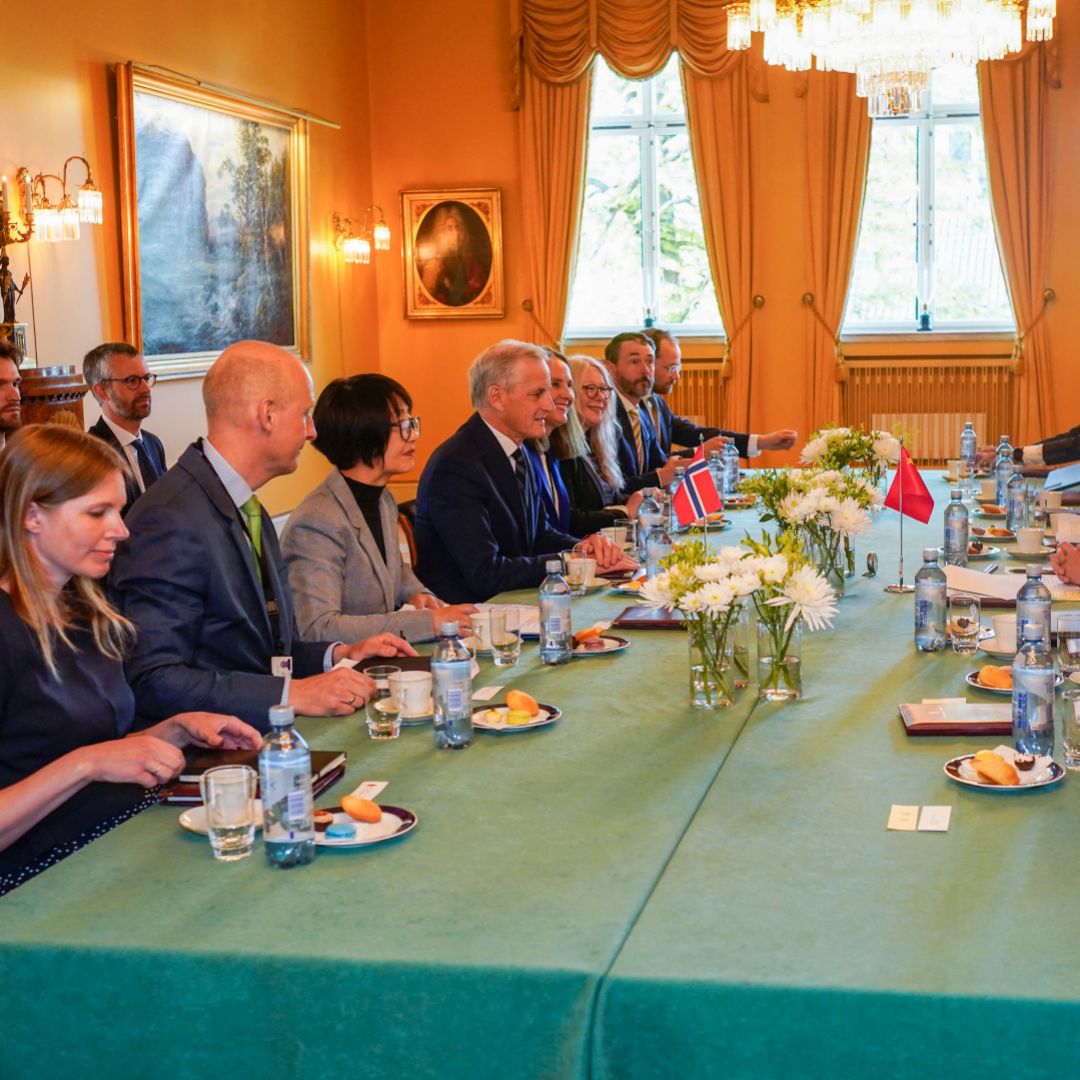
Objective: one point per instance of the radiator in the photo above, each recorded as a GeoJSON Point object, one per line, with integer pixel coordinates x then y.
{"type": "Point", "coordinates": [928, 401]}
{"type": "Point", "coordinates": [699, 393]}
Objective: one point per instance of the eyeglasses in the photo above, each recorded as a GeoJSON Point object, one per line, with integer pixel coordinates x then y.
{"type": "Point", "coordinates": [406, 426]}
{"type": "Point", "coordinates": [592, 390]}
{"type": "Point", "coordinates": [132, 381]}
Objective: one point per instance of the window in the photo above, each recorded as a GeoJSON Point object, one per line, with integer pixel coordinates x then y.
{"type": "Point", "coordinates": [926, 255]}
{"type": "Point", "coordinates": [641, 252]}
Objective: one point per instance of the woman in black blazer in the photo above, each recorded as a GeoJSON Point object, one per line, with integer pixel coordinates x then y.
{"type": "Point", "coordinates": [70, 766]}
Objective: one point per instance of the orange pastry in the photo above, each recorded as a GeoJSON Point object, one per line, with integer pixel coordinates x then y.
{"type": "Point", "coordinates": [998, 531]}
{"type": "Point", "coordinates": [993, 508]}
{"type": "Point", "coordinates": [994, 769]}
{"type": "Point", "coordinates": [998, 678]}
{"type": "Point", "coordinates": [519, 701]}
{"type": "Point", "coordinates": [589, 634]}
{"type": "Point", "coordinates": [361, 809]}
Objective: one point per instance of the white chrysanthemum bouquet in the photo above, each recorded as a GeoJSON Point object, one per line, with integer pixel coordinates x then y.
{"type": "Point", "coordinates": [844, 447]}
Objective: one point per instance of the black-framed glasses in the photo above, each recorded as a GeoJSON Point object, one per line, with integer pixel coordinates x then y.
{"type": "Point", "coordinates": [591, 390]}
{"type": "Point", "coordinates": [132, 381]}
{"type": "Point", "coordinates": [406, 426]}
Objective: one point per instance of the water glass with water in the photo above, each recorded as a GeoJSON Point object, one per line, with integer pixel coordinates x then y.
{"type": "Point", "coordinates": [505, 640]}
{"type": "Point", "coordinates": [1068, 642]}
{"type": "Point", "coordinates": [228, 792]}
{"type": "Point", "coordinates": [383, 713]}
{"type": "Point", "coordinates": [1069, 711]}
{"type": "Point", "coordinates": [965, 613]}
{"type": "Point", "coordinates": [575, 568]}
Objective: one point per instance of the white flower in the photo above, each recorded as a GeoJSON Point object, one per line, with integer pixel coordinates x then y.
{"type": "Point", "coordinates": [716, 597]}
{"type": "Point", "coordinates": [796, 508]}
{"type": "Point", "coordinates": [656, 592]}
{"type": "Point", "coordinates": [744, 584]}
{"type": "Point", "coordinates": [691, 603]}
{"type": "Point", "coordinates": [849, 519]}
{"type": "Point", "coordinates": [712, 571]}
{"type": "Point", "coordinates": [886, 448]}
{"type": "Point", "coordinates": [811, 598]}
{"type": "Point", "coordinates": [773, 569]}
{"type": "Point", "coordinates": [813, 450]}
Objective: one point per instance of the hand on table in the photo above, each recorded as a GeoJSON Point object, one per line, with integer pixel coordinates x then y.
{"type": "Point", "coordinates": [215, 731]}
{"type": "Point", "coordinates": [1066, 563]}
{"type": "Point", "coordinates": [984, 457]}
{"type": "Point", "coordinates": [384, 644]}
{"type": "Point", "coordinates": [781, 439]}
{"type": "Point", "coordinates": [338, 692]}
{"type": "Point", "coordinates": [137, 759]}
{"type": "Point", "coordinates": [633, 503]}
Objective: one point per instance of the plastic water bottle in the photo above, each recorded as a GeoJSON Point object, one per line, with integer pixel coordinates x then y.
{"type": "Point", "coordinates": [657, 548]}
{"type": "Point", "coordinates": [1033, 695]}
{"type": "Point", "coordinates": [649, 516]}
{"type": "Point", "coordinates": [673, 518]}
{"type": "Point", "coordinates": [1033, 606]}
{"type": "Point", "coordinates": [956, 530]}
{"type": "Point", "coordinates": [731, 469]}
{"type": "Point", "coordinates": [556, 628]}
{"type": "Point", "coordinates": [930, 604]}
{"type": "Point", "coordinates": [285, 787]}
{"type": "Point", "coordinates": [1003, 469]}
{"type": "Point", "coordinates": [718, 470]}
{"type": "Point", "coordinates": [1016, 502]}
{"type": "Point", "coordinates": [969, 444]}
{"type": "Point", "coordinates": [451, 690]}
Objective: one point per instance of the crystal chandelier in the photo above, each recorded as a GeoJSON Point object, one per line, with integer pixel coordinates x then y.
{"type": "Point", "coordinates": [891, 46]}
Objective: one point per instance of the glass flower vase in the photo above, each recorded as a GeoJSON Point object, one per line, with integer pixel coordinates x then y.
{"type": "Point", "coordinates": [779, 656]}
{"type": "Point", "coordinates": [711, 680]}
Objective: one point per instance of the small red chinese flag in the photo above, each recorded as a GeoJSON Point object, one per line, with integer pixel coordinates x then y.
{"type": "Point", "coordinates": [917, 501]}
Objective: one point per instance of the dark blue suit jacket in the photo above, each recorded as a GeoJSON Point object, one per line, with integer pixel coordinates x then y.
{"type": "Point", "coordinates": [677, 429]}
{"type": "Point", "coordinates": [151, 444]}
{"type": "Point", "coordinates": [655, 457]}
{"type": "Point", "coordinates": [557, 519]}
{"type": "Point", "coordinates": [474, 535]}
{"type": "Point", "coordinates": [186, 579]}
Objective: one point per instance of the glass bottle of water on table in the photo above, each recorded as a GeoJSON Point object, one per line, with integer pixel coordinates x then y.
{"type": "Point", "coordinates": [1033, 606]}
{"type": "Point", "coordinates": [1003, 469]}
{"type": "Point", "coordinates": [956, 530]}
{"type": "Point", "coordinates": [930, 604]}
{"type": "Point", "coordinates": [451, 678]}
{"type": "Point", "coordinates": [556, 627]}
{"type": "Point", "coordinates": [285, 787]}
{"type": "Point", "coordinates": [1033, 695]}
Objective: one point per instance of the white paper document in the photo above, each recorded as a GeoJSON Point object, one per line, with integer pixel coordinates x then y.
{"type": "Point", "coordinates": [999, 586]}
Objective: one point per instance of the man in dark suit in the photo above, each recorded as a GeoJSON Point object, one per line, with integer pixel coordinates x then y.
{"type": "Point", "coordinates": [10, 396]}
{"type": "Point", "coordinates": [480, 528]}
{"type": "Point", "coordinates": [1055, 450]}
{"type": "Point", "coordinates": [120, 382]}
{"type": "Point", "coordinates": [201, 575]}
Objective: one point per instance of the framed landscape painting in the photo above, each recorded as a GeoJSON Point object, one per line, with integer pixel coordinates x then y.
{"type": "Point", "coordinates": [214, 220]}
{"type": "Point", "coordinates": [453, 253]}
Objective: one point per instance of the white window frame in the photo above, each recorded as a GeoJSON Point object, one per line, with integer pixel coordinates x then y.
{"type": "Point", "coordinates": [648, 126]}
{"type": "Point", "coordinates": [924, 122]}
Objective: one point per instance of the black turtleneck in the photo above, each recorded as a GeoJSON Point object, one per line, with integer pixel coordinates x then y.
{"type": "Point", "coordinates": [367, 497]}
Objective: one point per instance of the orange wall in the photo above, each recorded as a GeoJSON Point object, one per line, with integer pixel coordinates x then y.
{"type": "Point", "coordinates": [422, 90]}
{"type": "Point", "coordinates": [58, 100]}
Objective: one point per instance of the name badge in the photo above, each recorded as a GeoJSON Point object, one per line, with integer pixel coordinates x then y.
{"type": "Point", "coordinates": [281, 666]}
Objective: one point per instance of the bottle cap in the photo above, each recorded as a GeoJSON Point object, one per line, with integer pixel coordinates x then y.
{"type": "Point", "coordinates": [1034, 571]}
{"type": "Point", "coordinates": [553, 566]}
{"type": "Point", "coordinates": [957, 495]}
{"type": "Point", "coordinates": [281, 715]}
{"type": "Point", "coordinates": [930, 554]}
{"type": "Point", "coordinates": [448, 629]}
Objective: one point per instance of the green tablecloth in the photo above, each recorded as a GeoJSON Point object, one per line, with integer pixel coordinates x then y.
{"type": "Point", "coordinates": [638, 890]}
{"type": "Point", "coordinates": [472, 947]}
{"type": "Point", "coordinates": [792, 935]}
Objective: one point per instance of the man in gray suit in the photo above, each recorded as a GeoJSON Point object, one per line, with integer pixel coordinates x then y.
{"type": "Point", "coordinates": [201, 575]}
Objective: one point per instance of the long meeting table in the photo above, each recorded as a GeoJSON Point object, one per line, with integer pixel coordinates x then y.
{"type": "Point", "coordinates": [640, 889]}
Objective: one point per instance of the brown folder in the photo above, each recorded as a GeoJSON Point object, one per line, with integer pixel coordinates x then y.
{"type": "Point", "coordinates": [644, 617]}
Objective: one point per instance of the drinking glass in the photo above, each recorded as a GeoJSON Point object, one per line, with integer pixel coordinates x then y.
{"type": "Point", "coordinates": [228, 792]}
{"type": "Point", "coordinates": [505, 640]}
{"type": "Point", "coordinates": [1069, 710]}
{"type": "Point", "coordinates": [965, 478]}
{"type": "Point", "coordinates": [383, 713]}
{"type": "Point", "coordinates": [574, 570]}
{"type": "Point", "coordinates": [1068, 642]}
{"type": "Point", "coordinates": [965, 612]}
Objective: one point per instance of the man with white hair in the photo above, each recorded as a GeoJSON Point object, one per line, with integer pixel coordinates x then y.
{"type": "Point", "coordinates": [480, 526]}
{"type": "Point", "coordinates": [201, 575]}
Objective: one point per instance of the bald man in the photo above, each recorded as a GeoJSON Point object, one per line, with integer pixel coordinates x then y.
{"type": "Point", "coordinates": [201, 575]}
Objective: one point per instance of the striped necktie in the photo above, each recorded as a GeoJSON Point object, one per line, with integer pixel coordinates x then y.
{"type": "Point", "coordinates": [639, 443]}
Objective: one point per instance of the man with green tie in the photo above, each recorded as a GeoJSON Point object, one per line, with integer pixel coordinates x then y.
{"type": "Point", "coordinates": [201, 575]}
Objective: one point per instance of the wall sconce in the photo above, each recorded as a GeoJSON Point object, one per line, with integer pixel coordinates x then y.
{"type": "Point", "coordinates": [49, 221]}
{"type": "Point", "coordinates": [354, 238]}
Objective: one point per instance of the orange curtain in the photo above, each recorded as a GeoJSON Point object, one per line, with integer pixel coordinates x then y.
{"type": "Point", "coordinates": [837, 154]}
{"type": "Point", "coordinates": [554, 129]}
{"type": "Point", "coordinates": [1014, 95]}
{"type": "Point", "coordinates": [718, 116]}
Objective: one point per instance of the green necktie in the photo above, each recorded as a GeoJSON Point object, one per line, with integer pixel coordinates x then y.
{"type": "Point", "coordinates": [252, 511]}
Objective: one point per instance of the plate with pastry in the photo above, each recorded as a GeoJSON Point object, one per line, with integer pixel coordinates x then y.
{"type": "Point", "coordinates": [632, 587]}
{"type": "Point", "coordinates": [358, 823]}
{"type": "Point", "coordinates": [996, 679]}
{"type": "Point", "coordinates": [991, 511]}
{"type": "Point", "coordinates": [739, 502]}
{"type": "Point", "coordinates": [979, 549]}
{"type": "Point", "coordinates": [1000, 534]}
{"type": "Point", "coordinates": [520, 713]}
{"type": "Point", "coordinates": [1004, 769]}
{"type": "Point", "coordinates": [596, 642]}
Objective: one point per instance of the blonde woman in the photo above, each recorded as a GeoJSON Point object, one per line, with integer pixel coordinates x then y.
{"type": "Point", "coordinates": [71, 765]}
{"type": "Point", "coordinates": [588, 451]}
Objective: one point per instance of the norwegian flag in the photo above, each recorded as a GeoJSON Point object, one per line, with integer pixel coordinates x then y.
{"type": "Point", "coordinates": [697, 496]}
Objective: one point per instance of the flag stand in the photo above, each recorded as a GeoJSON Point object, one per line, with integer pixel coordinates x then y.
{"type": "Point", "coordinates": [900, 587]}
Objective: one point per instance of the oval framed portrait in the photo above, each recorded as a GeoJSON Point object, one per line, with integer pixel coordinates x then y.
{"type": "Point", "coordinates": [453, 253]}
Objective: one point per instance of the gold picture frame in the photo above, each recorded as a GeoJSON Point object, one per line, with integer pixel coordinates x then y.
{"type": "Point", "coordinates": [214, 220]}
{"type": "Point", "coordinates": [453, 261]}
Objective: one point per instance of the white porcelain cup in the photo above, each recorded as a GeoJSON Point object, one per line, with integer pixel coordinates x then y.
{"type": "Point", "coordinates": [953, 467]}
{"type": "Point", "coordinates": [412, 691]}
{"type": "Point", "coordinates": [988, 489]}
{"type": "Point", "coordinates": [1005, 632]}
{"type": "Point", "coordinates": [1050, 499]}
{"type": "Point", "coordinates": [1066, 527]}
{"type": "Point", "coordinates": [1029, 541]}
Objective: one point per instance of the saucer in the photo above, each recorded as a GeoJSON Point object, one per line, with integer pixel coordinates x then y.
{"type": "Point", "coordinates": [955, 770]}
{"type": "Point", "coordinates": [990, 646]}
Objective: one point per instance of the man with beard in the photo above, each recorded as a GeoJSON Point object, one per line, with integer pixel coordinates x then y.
{"type": "Point", "coordinates": [10, 398]}
{"type": "Point", "coordinates": [120, 381]}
